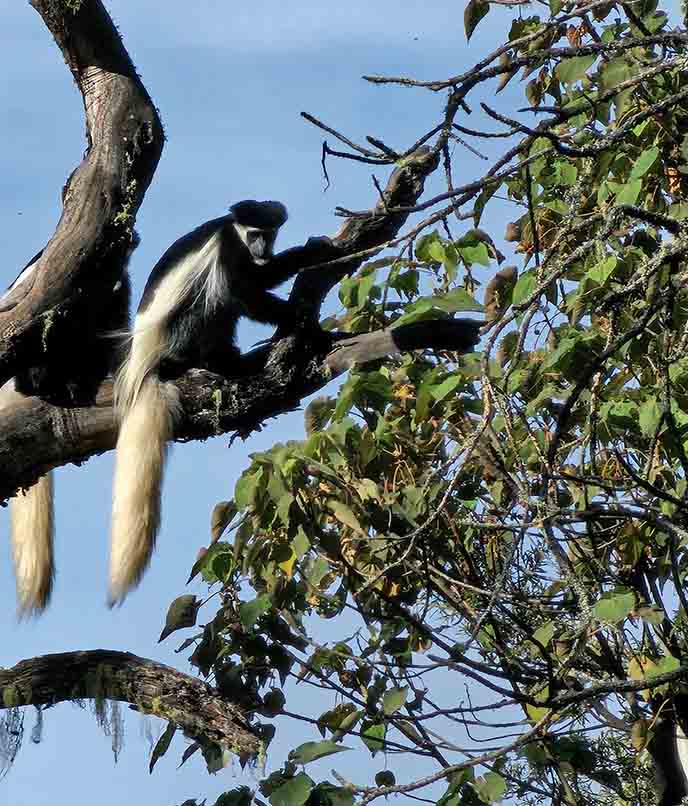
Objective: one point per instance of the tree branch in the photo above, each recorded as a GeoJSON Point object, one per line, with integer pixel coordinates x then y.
{"type": "Point", "coordinates": [150, 687]}
{"type": "Point", "coordinates": [36, 436]}
{"type": "Point", "coordinates": [86, 254]}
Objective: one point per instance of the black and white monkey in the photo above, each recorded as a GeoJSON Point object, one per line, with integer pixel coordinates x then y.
{"type": "Point", "coordinates": [187, 318]}
{"type": "Point", "coordinates": [77, 357]}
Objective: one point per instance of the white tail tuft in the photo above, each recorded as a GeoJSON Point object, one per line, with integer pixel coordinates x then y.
{"type": "Point", "coordinates": [146, 428]}
{"type": "Point", "coordinates": [32, 545]}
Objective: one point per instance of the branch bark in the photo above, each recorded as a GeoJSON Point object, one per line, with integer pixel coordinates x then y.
{"type": "Point", "coordinates": [36, 436]}
{"type": "Point", "coordinates": [85, 256]}
{"type": "Point", "coordinates": [100, 202]}
{"type": "Point", "coordinates": [151, 687]}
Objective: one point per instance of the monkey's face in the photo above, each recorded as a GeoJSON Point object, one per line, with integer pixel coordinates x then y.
{"type": "Point", "coordinates": [259, 242]}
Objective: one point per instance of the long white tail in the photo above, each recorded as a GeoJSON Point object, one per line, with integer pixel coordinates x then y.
{"type": "Point", "coordinates": [31, 528]}
{"type": "Point", "coordinates": [147, 425]}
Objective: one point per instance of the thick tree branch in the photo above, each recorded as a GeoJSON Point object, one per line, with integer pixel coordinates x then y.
{"type": "Point", "coordinates": [36, 436]}
{"type": "Point", "coordinates": [151, 687]}
{"type": "Point", "coordinates": [86, 254]}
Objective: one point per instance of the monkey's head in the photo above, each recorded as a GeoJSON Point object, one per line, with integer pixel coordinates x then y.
{"type": "Point", "coordinates": [257, 223]}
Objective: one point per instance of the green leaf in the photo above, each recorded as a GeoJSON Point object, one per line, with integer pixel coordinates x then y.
{"type": "Point", "coordinates": [456, 301]}
{"type": "Point", "coordinates": [425, 246]}
{"type": "Point", "coordinates": [525, 286]}
{"type": "Point", "coordinates": [614, 607]}
{"type": "Point", "coordinates": [679, 211]}
{"type": "Point", "coordinates": [473, 13]}
{"type": "Point", "coordinates": [644, 162]}
{"type": "Point", "coordinates": [318, 413]}
{"type": "Point", "coordinates": [367, 489]}
{"type": "Point", "coordinates": [300, 543]}
{"type": "Point", "coordinates": [649, 416]}
{"type": "Point", "coordinates": [162, 744]}
{"type": "Point", "coordinates": [603, 270]}
{"type": "Point", "coordinates": [373, 736]}
{"type": "Point", "coordinates": [475, 253]}
{"type": "Point", "coordinates": [311, 751]}
{"type": "Point", "coordinates": [328, 795]}
{"type": "Point", "coordinates": [317, 571]}
{"type": "Point", "coordinates": [667, 664]}
{"type": "Point", "coordinates": [485, 195]}
{"type": "Point", "coordinates": [536, 712]}
{"type": "Point", "coordinates": [345, 515]}
{"type": "Point", "coordinates": [241, 796]}
{"type": "Point", "coordinates": [566, 174]}
{"type": "Point", "coordinates": [181, 613]}
{"type": "Point", "coordinates": [436, 252]}
{"type": "Point", "coordinates": [628, 193]}
{"type": "Point", "coordinates": [491, 787]}
{"type": "Point", "coordinates": [365, 284]}
{"type": "Point", "coordinates": [221, 517]}
{"type": "Point", "coordinates": [614, 72]}
{"type": "Point", "coordinates": [568, 354]}
{"type": "Point", "coordinates": [294, 793]}
{"type": "Point", "coordinates": [385, 778]}
{"type": "Point", "coordinates": [448, 385]}
{"type": "Point", "coordinates": [246, 488]}
{"type": "Point", "coordinates": [393, 699]}
{"type": "Point", "coordinates": [619, 414]}
{"type": "Point", "coordinates": [545, 633]}
{"type": "Point", "coordinates": [250, 612]}
{"type": "Point", "coordinates": [571, 70]}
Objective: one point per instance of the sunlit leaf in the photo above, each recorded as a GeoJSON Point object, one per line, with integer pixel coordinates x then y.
{"type": "Point", "coordinates": [571, 70]}
{"type": "Point", "coordinates": [311, 751]}
{"type": "Point", "coordinates": [394, 699]}
{"type": "Point", "coordinates": [250, 612]}
{"type": "Point", "coordinates": [614, 607]}
{"type": "Point", "coordinates": [294, 793]}
{"type": "Point", "coordinates": [491, 787]}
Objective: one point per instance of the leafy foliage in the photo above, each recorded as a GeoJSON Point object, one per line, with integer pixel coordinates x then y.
{"type": "Point", "coordinates": [514, 518]}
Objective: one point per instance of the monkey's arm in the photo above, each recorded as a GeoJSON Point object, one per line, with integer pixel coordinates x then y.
{"type": "Point", "coordinates": [286, 264]}
{"type": "Point", "coordinates": [269, 309]}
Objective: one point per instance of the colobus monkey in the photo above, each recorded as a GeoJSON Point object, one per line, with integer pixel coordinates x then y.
{"type": "Point", "coordinates": [79, 355]}
{"type": "Point", "coordinates": [187, 318]}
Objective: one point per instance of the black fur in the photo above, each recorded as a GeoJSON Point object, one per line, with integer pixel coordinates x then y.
{"type": "Point", "coordinates": [81, 349]}
{"type": "Point", "coordinates": [200, 332]}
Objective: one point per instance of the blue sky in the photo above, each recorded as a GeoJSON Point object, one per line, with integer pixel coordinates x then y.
{"type": "Point", "coordinates": [229, 85]}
